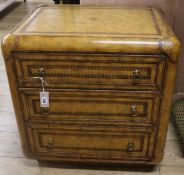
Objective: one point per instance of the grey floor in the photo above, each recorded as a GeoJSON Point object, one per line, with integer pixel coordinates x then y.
{"type": "Point", "coordinates": [12, 161]}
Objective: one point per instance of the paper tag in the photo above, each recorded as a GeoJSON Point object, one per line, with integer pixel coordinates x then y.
{"type": "Point", "coordinates": [44, 99]}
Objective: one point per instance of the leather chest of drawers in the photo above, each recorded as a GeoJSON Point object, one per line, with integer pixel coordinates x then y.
{"type": "Point", "coordinates": [110, 74]}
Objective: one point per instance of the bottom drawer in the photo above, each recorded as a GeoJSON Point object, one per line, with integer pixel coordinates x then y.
{"type": "Point", "coordinates": [91, 143]}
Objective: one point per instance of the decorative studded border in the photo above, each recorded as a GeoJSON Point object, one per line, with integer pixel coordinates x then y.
{"type": "Point", "coordinates": [35, 104]}
{"type": "Point", "coordinates": [32, 73]}
{"type": "Point", "coordinates": [140, 149]}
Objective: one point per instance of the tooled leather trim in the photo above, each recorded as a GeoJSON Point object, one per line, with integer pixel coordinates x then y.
{"type": "Point", "coordinates": [92, 113]}
{"type": "Point", "coordinates": [32, 73]}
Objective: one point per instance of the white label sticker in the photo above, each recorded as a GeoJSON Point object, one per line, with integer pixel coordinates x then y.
{"type": "Point", "coordinates": [44, 99]}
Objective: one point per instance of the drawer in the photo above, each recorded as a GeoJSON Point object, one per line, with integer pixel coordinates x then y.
{"type": "Point", "coordinates": [92, 107]}
{"type": "Point", "coordinates": [104, 143]}
{"type": "Point", "coordinates": [90, 72]}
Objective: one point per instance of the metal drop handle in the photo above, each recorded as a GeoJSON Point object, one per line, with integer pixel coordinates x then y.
{"type": "Point", "coordinates": [133, 111]}
{"type": "Point", "coordinates": [45, 110]}
{"type": "Point", "coordinates": [41, 72]}
{"type": "Point", "coordinates": [130, 146]}
{"type": "Point", "coordinates": [50, 143]}
{"type": "Point", "coordinates": [136, 75]}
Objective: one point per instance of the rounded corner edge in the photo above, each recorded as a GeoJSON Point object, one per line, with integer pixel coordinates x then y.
{"type": "Point", "coordinates": [8, 45]}
{"type": "Point", "coordinates": [41, 5]}
{"type": "Point", "coordinates": [171, 47]}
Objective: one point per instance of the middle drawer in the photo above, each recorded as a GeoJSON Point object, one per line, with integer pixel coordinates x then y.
{"type": "Point", "coordinates": [92, 107]}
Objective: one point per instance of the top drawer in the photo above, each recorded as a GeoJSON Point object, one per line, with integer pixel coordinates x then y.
{"type": "Point", "coordinates": [90, 71]}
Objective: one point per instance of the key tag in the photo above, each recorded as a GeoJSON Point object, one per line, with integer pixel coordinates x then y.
{"type": "Point", "coordinates": [44, 96]}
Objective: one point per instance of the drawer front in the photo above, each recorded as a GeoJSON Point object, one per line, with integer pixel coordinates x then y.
{"type": "Point", "coordinates": [63, 72]}
{"type": "Point", "coordinates": [92, 142]}
{"type": "Point", "coordinates": [92, 107]}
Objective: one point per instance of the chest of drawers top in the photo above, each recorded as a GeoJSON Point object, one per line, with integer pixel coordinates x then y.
{"type": "Point", "coordinates": [93, 29]}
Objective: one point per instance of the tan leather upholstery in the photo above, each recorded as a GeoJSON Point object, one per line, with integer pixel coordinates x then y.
{"type": "Point", "coordinates": [174, 12]}
{"type": "Point", "coordinates": [169, 7]}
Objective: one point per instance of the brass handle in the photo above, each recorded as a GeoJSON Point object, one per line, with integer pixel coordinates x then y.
{"type": "Point", "coordinates": [45, 111]}
{"type": "Point", "coordinates": [136, 75]}
{"type": "Point", "coordinates": [50, 143]}
{"type": "Point", "coordinates": [130, 146]}
{"type": "Point", "coordinates": [133, 110]}
{"type": "Point", "coordinates": [41, 72]}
